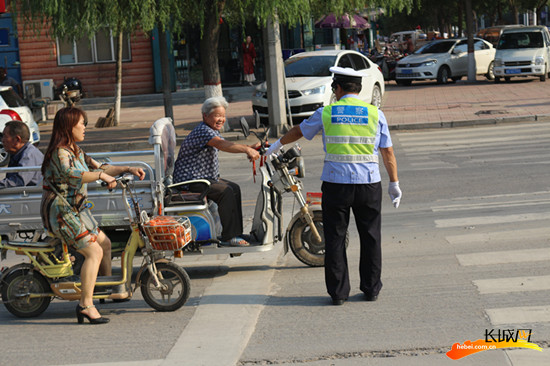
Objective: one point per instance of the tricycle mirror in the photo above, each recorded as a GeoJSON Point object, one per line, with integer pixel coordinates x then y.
{"type": "Point", "coordinates": [244, 127]}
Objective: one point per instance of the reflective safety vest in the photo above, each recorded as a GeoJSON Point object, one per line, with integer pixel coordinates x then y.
{"type": "Point", "coordinates": [350, 130]}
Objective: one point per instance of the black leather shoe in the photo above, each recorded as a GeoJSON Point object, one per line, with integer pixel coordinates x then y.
{"type": "Point", "coordinates": [370, 297]}
{"type": "Point", "coordinates": [338, 302]}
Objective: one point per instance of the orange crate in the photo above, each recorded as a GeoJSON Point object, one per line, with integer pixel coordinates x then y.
{"type": "Point", "coordinates": [168, 233]}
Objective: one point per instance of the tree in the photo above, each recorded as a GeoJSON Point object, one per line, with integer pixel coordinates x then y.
{"type": "Point", "coordinates": [69, 19]}
{"type": "Point", "coordinates": [206, 14]}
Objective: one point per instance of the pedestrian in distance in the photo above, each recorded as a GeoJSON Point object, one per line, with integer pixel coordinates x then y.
{"type": "Point", "coordinates": [15, 138]}
{"type": "Point", "coordinates": [354, 134]}
{"type": "Point", "coordinates": [249, 60]}
{"type": "Point", "coordinates": [67, 170]}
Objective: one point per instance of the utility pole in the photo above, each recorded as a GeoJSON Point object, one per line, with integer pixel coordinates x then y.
{"type": "Point", "coordinates": [275, 78]}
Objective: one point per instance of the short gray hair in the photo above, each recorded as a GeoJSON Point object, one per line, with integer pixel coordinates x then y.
{"type": "Point", "coordinates": [212, 103]}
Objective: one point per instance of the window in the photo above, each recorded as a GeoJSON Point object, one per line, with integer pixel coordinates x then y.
{"type": "Point", "coordinates": [359, 62]}
{"type": "Point", "coordinates": [101, 48]}
{"type": "Point", "coordinates": [345, 62]}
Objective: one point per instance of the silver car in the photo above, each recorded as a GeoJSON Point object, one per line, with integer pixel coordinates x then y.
{"type": "Point", "coordinates": [445, 59]}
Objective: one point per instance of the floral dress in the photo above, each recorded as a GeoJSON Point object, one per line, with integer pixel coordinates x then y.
{"type": "Point", "coordinates": [65, 174]}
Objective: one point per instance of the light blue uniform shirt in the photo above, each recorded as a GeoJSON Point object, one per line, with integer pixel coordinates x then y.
{"type": "Point", "coordinates": [349, 173]}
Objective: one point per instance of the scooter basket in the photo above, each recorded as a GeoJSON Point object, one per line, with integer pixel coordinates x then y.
{"type": "Point", "coordinates": [167, 232]}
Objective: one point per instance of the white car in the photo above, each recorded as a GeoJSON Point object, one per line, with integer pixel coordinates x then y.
{"type": "Point", "coordinates": [13, 108]}
{"type": "Point", "coordinates": [445, 59]}
{"type": "Point", "coordinates": [523, 51]}
{"type": "Point", "coordinates": [308, 81]}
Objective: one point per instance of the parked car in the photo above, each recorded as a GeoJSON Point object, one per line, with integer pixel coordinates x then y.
{"type": "Point", "coordinates": [308, 81]}
{"type": "Point", "coordinates": [492, 34]}
{"type": "Point", "coordinates": [445, 59]}
{"type": "Point", "coordinates": [523, 51]}
{"type": "Point", "coordinates": [13, 108]}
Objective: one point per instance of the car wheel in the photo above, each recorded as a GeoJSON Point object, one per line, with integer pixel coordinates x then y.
{"type": "Point", "coordinates": [443, 75]}
{"type": "Point", "coordinates": [490, 75]}
{"type": "Point", "coordinates": [376, 96]}
{"type": "Point", "coordinates": [543, 76]}
{"type": "Point", "coordinates": [4, 155]}
{"type": "Point", "coordinates": [403, 82]}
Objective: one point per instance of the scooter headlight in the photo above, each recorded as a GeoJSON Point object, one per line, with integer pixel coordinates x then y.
{"type": "Point", "coordinates": [297, 167]}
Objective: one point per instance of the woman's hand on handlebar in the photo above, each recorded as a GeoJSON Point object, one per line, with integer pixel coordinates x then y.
{"type": "Point", "coordinates": [110, 182]}
{"type": "Point", "coordinates": [138, 172]}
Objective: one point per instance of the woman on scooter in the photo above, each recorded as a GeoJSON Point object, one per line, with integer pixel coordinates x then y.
{"type": "Point", "coordinates": [198, 159]}
{"type": "Point", "coordinates": [67, 170]}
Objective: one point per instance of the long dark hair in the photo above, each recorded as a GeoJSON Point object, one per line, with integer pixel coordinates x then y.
{"type": "Point", "coordinates": [62, 132]}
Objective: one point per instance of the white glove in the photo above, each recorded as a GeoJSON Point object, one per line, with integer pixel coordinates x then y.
{"type": "Point", "coordinates": [395, 193]}
{"type": "Point", "coordinates": [273, 149]}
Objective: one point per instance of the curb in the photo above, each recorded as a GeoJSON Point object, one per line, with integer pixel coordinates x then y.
{"type": "Point", "coordinates": [236, 135]}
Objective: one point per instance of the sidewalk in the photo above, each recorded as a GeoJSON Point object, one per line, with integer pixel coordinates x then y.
{"type": "Point", "coordinates": [422, 105]}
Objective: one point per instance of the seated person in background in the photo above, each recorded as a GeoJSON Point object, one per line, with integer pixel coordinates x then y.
{"type": "Point", "coordinates": [15, 139]}
{"type": "Point", "coordinates": [198, 159]}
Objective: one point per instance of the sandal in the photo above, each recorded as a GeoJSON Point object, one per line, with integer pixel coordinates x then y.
{"type": "Point", "coordinates": [236, 242]}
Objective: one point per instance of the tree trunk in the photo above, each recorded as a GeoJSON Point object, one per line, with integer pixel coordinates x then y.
{"type": "Point", "coordinates": [460, 15]}
{"type": "Point", "coordinates": [209, 49]}
{"type": "Point", "coordinates": [469, 31]}
{"type": "Point", "coordinates": [118, 88]}
{"type": "Point", "coordinates": [166, 76]}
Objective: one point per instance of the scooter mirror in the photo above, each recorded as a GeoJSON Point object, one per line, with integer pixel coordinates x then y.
{"type": "Point", "coordinates": [244, 127]}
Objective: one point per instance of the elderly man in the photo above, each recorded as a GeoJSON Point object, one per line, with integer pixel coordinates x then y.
{"type": "Point", "coordinates": [15, 139]}
{"type": "Point", "coordinates": [354, 133]}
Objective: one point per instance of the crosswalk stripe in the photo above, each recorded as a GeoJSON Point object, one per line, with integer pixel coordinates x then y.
{"type": "Point", "coordinates": [499, 236]}
{"type": "Point", "coordinates": [519, 315]}
{"type": "Point", "coordinates": [510, 256]}
{"type": "Point", "coordinates": [513, 284]}
{"type": "Point", "coordinates": [484, 220]}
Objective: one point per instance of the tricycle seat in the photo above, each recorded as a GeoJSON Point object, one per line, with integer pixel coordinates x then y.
{"type": "Point", "coordinates": [192, 192]}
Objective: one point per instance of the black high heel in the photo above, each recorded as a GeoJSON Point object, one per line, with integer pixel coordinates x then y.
{"type": "Point", "coordinates": [80, 316]}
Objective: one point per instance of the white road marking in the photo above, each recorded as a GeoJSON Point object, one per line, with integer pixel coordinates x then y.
{"type": "Point", "coordinates": [500, 236]}
{"type": "Point", "coordinates": [486, 220]}
{"type": "Point", "coordinates": [510, 256]}
{"type": "Point", "coordinates": [519, 315]}
{"type": "Point", "coordinates": [513, 284]}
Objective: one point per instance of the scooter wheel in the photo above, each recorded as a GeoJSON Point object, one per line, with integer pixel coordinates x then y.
{"type": "Point", "coordinates": [303, 245]}
{"type": "Point", "coordinates": [175, 290]}
{"type": "Point", "coordinates": [16, 288]}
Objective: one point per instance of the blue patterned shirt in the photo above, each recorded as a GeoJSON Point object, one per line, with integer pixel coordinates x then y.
{"type": "Point", "coordinates": [197, 160]}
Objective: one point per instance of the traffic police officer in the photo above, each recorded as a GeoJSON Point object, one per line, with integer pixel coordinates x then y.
{"type": "Point", "coordinates": [354, 132]}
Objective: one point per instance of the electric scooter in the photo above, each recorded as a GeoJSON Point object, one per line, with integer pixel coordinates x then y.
{"type": "Point", "coordinates": [28, 288]}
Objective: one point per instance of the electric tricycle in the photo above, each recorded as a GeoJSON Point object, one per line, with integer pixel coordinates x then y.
{"type": "Point", "coordinates": [22, 231]}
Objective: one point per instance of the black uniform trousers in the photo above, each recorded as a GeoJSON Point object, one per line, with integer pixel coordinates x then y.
{"type": "Point", "coordinates": [366, 202]}
{"type": "Point", "coordinates": [227, 196]}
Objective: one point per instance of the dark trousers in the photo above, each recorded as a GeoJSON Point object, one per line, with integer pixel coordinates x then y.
{"type": "Point", "coordinates": [366, 202]}
{"type": "Point", "coordinates": [227, 196]}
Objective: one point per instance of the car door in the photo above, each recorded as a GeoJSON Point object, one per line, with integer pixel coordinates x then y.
{"type": "Point", "coordinates": [484, 55]}
{"type": "Point", "coordinates": [459, 59]}
{"type": "Point", "coordinates": [367, 82]}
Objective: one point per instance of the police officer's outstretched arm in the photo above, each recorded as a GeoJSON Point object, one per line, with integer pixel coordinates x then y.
{"type": "Point", "coordinates": [391, 167]}
{"type": "Point", "coordinates": [294, 134]}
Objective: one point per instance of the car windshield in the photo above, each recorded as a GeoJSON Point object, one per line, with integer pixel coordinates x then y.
{"type": "Point", "coordinates": [437, 47]}
{"type": "Point", "coordinates": [309, 66]}
{"type": "Point", "coordinates": [510, 41]}
{"type": "Point", "coordinates": [11, 98]}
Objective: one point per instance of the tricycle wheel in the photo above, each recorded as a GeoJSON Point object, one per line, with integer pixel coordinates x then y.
{"type": "Point", "coordinates": [175, 290]}
{"type": "Point", "coordinates": [17, 287]}
{"type": "Point", "coordinates": [303, 245]}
